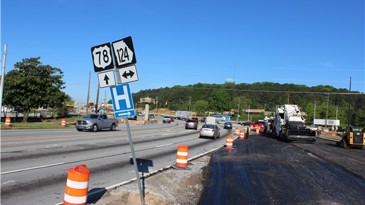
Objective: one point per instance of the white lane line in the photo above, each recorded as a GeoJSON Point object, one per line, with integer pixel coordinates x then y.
{"type": "Point", "coordinates": [164, 145]}
{"type": "Point", "coordinates": [32, 168]}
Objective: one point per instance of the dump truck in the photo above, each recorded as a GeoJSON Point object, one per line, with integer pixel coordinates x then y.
{"type": "Point", "coordinates": [289, 124]}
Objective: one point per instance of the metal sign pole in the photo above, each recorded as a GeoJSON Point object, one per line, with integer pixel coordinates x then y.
{"type": "Point", "coordinates": [134, 160]}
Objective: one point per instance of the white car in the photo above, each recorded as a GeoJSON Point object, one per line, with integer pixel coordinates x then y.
{"type": "Point", "coordinates": [210, 130]}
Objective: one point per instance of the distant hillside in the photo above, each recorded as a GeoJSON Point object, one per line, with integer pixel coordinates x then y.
{"type": "Point", "coordinates": [225, 97]}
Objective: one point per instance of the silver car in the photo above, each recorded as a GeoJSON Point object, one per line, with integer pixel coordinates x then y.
{"type": "Point", "coordinates": [209, 130]}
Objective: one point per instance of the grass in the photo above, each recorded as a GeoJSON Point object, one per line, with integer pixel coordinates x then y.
{"type": "Point", "coordinates": [46, 124]}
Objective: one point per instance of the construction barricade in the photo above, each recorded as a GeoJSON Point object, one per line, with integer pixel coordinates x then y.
{"type": "Point", "coordinates": [229, 142]}
{"type": "Point", "coordinates": [7, 122]}
{"type": "Point", "coordinates": [182, 157]}
{"type": "Point", "coordinates": [77, 186]}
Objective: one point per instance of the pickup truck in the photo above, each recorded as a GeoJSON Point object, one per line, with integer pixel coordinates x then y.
{"type": "Point", "coordinates": [95, 122]}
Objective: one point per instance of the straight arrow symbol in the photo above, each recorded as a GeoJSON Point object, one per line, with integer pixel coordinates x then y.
{"type": "Point", "coordinates": [106, 79]}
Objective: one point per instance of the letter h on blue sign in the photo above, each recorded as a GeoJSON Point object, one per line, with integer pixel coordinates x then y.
{"type": "Point", "coordinates": [122, 98]}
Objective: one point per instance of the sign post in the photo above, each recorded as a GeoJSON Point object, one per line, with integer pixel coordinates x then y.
{"type": "Point", "coordinates": [125, 60]}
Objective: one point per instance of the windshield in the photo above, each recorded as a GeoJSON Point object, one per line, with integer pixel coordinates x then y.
{"type": "Point", "coordinates": [92, 116]}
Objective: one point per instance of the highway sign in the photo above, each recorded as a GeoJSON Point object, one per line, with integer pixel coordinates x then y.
{"type": "Point", "coordinates": [102, 57]}
{"type": "Point", "coordinates": [128, 74]}
{"type": "Point", "coordinates": [124, 52]}
{"type": "Point", "coordinates": [122, 101]}
{"type": "Point", "coordinates": [106, 79]}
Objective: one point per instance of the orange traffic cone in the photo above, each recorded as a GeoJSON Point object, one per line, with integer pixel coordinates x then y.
{"type": "Point", "coordinates": [7, 122]}
{"type": "Point", "coordinates": [121, 120]}
{"type": "Point", "coordinates": [63, 122]}
{"type": "Point", "coordinates": [182, 157]}
{"type": "Point", "coordinates": [257, 130]}
{"type": "Point", "coordinates": [77, 186]}
{"type": "Point", "coordinates": [229, 142]}
{"type": "Point", "coordinates": [137, 122]}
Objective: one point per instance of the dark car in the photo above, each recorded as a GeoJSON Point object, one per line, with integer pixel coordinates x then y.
{"type": "Point", "coordinates": [191, 124]}
{"type": "Point", "coordinates": [227, 125]}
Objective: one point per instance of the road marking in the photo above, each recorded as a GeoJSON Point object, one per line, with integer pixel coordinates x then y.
{"type": "Point", "coordinates": [32, 168]}
{"type": "Point", "coordinates": [164, 145]}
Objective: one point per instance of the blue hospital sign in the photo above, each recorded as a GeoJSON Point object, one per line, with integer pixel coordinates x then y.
{"type": "Point", "coordinates": [122, 101]}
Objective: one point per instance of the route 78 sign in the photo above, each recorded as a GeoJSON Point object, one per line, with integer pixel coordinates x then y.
{"type": "Point", "coordinates": [122, 101]}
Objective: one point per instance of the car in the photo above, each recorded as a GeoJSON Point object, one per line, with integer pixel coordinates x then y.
{"type": "Point", "coordinates": [166, 120]}
{"type": "Point", "coordinates": [227, 125]}
{"type": "Point", "coordinates": [191, 124]}
{"type": "Point", "coordinates": [196, 119]}
{"type": "Point", "coordinates": [210, 130]}
{"type": "Point", "coordinates": [151, 117]}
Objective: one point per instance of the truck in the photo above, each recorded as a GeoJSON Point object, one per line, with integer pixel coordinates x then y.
{"type": "Point", "coordinates": [95, 122]}
{"type": "Point", "coordinates": [183, 115]}
{"type": "Point", "coordinates": [352, 137]}
{"type": "Point", "coordinates": [289, 124]}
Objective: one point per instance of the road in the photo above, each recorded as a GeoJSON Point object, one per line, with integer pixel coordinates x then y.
{"type": "Point", "coordinates": [35, 162]}
{"type": "Point", "coordinates": [262, 170]}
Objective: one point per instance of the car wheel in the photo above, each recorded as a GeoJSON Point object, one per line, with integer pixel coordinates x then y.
{"type": "Point", "coordinates": [95, 128]}
{"type": "Point", "coordinates": [79, 130]}
{"type": "Point", "coordinates": [113, 127]}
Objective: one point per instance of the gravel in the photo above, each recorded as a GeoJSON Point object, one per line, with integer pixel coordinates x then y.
{"type": "Point", "coordinates": [170, 186]}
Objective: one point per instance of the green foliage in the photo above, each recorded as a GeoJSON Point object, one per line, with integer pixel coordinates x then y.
{"type": "Point", "coordinates": [32, 85]}
{"type": "Point", "coordinates": [265, 95]}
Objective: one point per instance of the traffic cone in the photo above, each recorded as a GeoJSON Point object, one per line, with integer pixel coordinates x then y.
{"type": "Point", "coordinates": [7, 122]}
{"type": "Point", "coordinates": [121, 120]}
{"type": "Point", "coordinates": [182, 156]}
{"type": "Point", "coordinates": [63, 122]}
{"type": "Point", "coordinates": [77, 186]}
{"type": "Point", "coordinates": [257, 130]}
{"type": "Point", "coordinates": [137, 122]}
{"type": "Point", "coordinates": [143, 122]}
{"type": "Point", "coordinates": [229, 142]}
{"type": "Point", "coordinates": [242, 134]}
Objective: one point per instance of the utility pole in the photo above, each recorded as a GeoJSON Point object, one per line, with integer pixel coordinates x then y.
{"type": "Point", "coordinates": [314, 114]}
{"type": "Point", "coordinates": [349, 107]}
{"type": "Point", "coordinates": [88, 95]}
{"type": "Point", "coordinates": [328, 100]}
{"type": "Point", "coordinates": [2, 82]}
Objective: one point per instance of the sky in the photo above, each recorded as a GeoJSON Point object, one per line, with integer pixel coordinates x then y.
{"type": "Point", "coordinates": [306, 42]}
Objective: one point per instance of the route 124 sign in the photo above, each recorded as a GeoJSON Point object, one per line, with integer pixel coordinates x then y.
{"type": "Point", "coordinates": [124, 54]}
{"type": "Point", "coordinates": [102, 57]}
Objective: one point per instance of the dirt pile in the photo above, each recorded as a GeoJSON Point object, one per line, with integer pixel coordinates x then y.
{"type": "Point", "coordinates": [168, 187]}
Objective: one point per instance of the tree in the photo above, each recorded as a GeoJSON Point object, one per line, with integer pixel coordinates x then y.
{"type": "Point", "coordinates": [32, 85]}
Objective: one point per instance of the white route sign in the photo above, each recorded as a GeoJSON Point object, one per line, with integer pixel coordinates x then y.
{"type": "Point", "coordinates": [124, 52]}
{"type": "Point", "coordinates": [106, 79]}
{"type": "Point", "coordinates": [102, 57]}
{"type": "Point", "coordinates": [128, 74]}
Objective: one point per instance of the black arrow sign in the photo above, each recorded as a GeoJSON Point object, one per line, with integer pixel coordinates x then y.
{"type": "Point", "coordinates": [106, 79]}
{"type": "Point", "coordinates": [130, 73]}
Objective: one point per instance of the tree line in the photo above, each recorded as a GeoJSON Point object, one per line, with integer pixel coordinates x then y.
{"type": "Point", "coordinates": [32, 85]}
{"type": "Point", "coordinates": [323, 101]}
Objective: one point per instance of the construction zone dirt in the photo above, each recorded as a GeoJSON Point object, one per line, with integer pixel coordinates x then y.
{"type": "Point", "coordinates": [167, 187]}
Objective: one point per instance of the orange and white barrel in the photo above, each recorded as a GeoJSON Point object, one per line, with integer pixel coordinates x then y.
{"type": "Point", "coordinates": [77, 186]}
{"type": "Point", "coordinates": [63, 122]}
{"type": "Point", "coordinates": [236, 131]}
{"type": "Point", "coordinates": [242, 134]}
{"type": "Point", "coordinates": [182, 156]}
{"type": "Point", "coordinates": [7, 122]}
{"type": "Point", "coordinates": [229, 142]}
